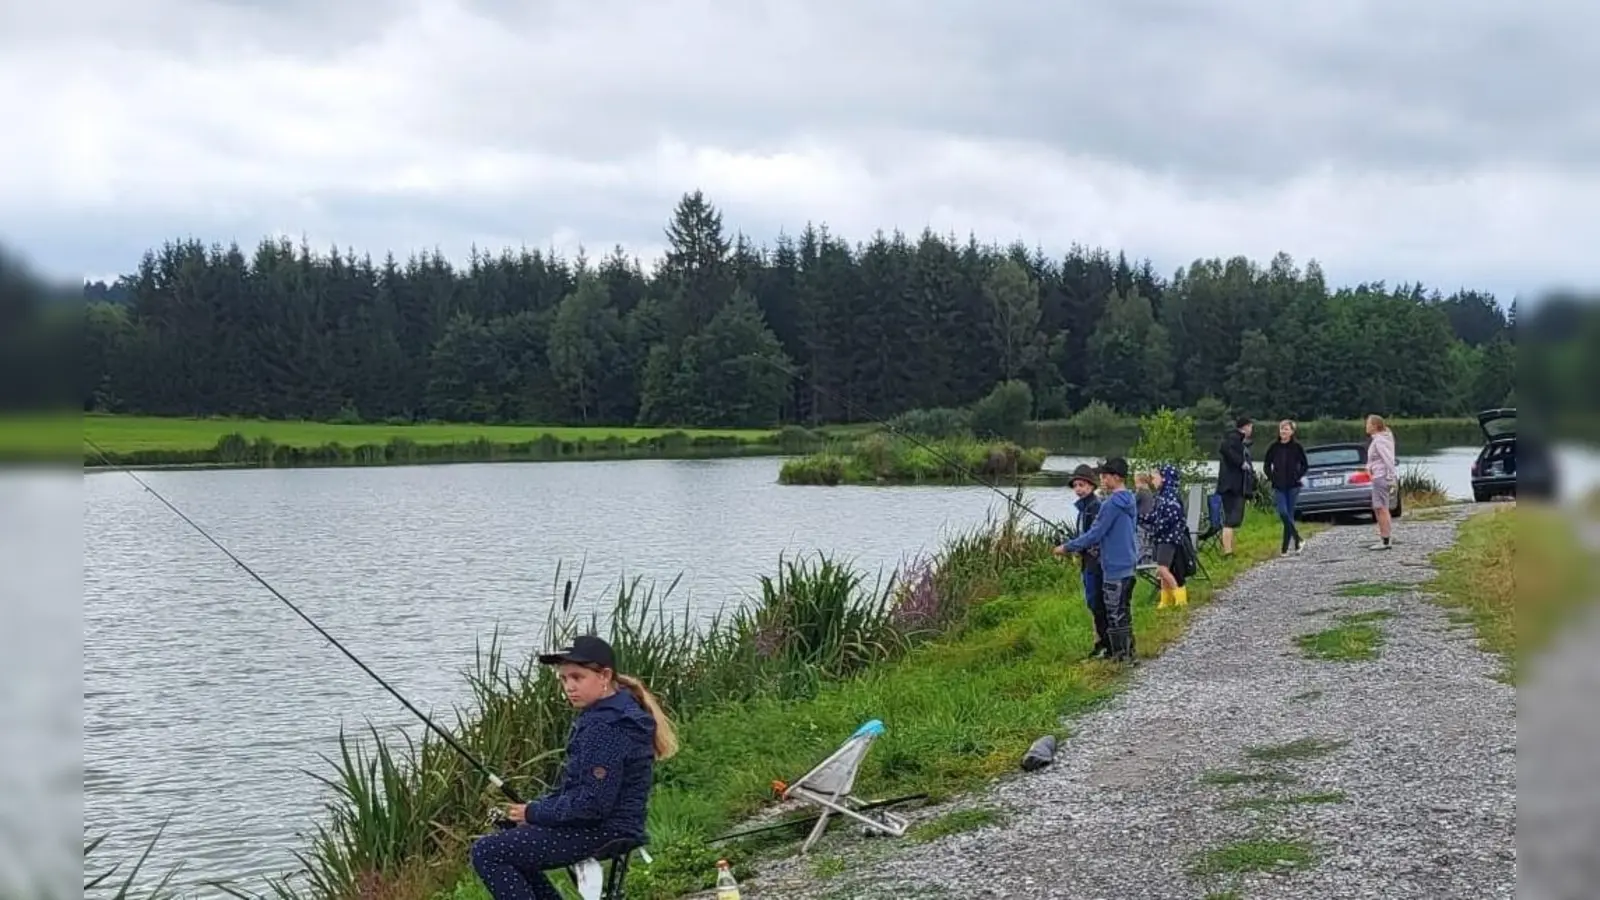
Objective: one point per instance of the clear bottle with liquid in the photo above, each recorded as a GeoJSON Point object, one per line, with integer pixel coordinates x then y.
{"type": "Point", "coordinates": [727, 888]}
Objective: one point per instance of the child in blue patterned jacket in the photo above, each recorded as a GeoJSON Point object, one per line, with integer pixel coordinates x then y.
{"type": "Point", "coordinates": [1169, 533]}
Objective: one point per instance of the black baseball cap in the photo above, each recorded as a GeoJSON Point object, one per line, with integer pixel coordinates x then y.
{"type": "Point", "coordinates": [1116, 465]}
{"type": "Point", "coordinates": [586, 650]}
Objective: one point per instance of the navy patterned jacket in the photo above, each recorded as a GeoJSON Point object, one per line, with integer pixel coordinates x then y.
{"type": "Point", "coordinates": [605, 783]}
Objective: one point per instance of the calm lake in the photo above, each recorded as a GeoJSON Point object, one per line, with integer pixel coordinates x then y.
{"type": "Point", "coordinates": [204, 699]}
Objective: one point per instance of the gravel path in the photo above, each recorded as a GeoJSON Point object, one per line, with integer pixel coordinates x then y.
{"type": "Point", "coordinates": [1402, 783]}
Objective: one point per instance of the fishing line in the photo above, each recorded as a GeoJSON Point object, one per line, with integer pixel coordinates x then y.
{"type": "Point", "coordinates": [505, 789]}
{"type": "Point", "coordinates": [1055, 526]}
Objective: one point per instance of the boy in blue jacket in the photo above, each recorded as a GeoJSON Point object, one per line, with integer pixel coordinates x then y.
{"type": "Point", "coordinates": [1114, 534]}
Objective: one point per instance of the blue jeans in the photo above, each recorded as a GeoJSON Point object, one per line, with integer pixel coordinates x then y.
{"type": "Point", "coordinates": [1285, 501]}
{"type": "Point", "coordinates": [1094, 596]}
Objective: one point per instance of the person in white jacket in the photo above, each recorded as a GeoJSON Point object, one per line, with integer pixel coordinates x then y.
{"type": "Point", "coordinates": [1385, 474]}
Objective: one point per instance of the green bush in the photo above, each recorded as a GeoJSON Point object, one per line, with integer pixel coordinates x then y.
{"type": "Point", "coordinates": [1004, 413]}
{"type": "Point", "coordinates": [939, 423]}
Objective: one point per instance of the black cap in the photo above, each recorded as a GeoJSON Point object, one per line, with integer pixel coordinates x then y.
{"type": "Point", "coordinates": [586, 650]}
{"type": "Point", "coordinates": [1116, 465]}
{"type": "Point", "coordinates": [1241, 421]}
{"type": "Point", "coordinates": [1084, 473]}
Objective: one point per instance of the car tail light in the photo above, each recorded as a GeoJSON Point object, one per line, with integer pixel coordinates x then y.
{"type": "Point", "coordinates": [1360, 478]}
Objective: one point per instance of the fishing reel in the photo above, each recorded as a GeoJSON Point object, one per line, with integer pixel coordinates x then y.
{"type": "Point", "coordinates": [494, 817]}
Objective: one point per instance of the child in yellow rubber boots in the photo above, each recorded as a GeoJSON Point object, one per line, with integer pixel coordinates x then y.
{"type": "Point", "coordinates": [1164, 523]}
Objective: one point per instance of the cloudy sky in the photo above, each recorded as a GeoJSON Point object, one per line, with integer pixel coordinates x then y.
{"type": "Point", "coordinates": [1451, 141]}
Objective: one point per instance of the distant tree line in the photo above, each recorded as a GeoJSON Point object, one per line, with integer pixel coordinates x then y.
{"type": "Point", "coordinates": [811, 330]}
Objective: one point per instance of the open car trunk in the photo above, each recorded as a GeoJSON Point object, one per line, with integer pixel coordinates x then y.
{"type": "Point", "coordinates": [1498, 424]}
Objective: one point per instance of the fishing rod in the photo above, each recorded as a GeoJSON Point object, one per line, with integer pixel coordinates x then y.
{"type": "Point", "coordinates": [505, 789]}
{"type": "Point", "coordinates": [792, 373]}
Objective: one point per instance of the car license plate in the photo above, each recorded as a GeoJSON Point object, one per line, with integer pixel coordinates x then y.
{"type": "Point", "coordinates": [1326, 482]}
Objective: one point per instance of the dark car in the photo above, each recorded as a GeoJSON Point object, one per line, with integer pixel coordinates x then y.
{"type": "Point", "coordinates": [1337, 483]}
{"type": "Point", "coordinates": [1494, 472]}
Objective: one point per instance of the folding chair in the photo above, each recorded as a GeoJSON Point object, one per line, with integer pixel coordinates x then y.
{"type": "Point", "coordinates": [1146, 567]}
{"type": "Point", "coordinates": [606, 882]}
{"type": "Point", "coordinates": [829, 786]}
{"type": "Point", "coordinates": [1193, 520]}
{"type": "Point", "coordinates": [1205, 519]}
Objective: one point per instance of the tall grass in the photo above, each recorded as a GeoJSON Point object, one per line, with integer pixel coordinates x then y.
{"type": "Point", "coordinates": [403, 810]}
{"type": "Point", "coordinates": [886, 458]}
{"type": "Point", "coordinates": [1418, 489]}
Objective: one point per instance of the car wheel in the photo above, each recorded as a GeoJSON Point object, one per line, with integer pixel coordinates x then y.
{"type": "Point", "coordinates": [1481, 496]}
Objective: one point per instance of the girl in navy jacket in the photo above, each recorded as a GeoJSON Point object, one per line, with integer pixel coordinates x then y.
{"type": "Point", "coordinates": [605, 785]}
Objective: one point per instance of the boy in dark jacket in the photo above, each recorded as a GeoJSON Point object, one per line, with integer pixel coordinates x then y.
{"type": "Point", "coordinates": [1114, 534]}
{"type": "Point", "coordinates": [1088, 506]}
{"type": "Point", "coordinates": [1236, 478]}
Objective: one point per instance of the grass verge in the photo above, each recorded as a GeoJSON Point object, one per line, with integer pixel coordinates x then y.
{"type": "Point", "coordinates": [1515, 573]}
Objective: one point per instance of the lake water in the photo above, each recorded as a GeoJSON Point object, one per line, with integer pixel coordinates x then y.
{"type": "Point", "coordinates": [204, 699]}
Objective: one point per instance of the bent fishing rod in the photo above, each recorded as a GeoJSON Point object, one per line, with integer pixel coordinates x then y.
{"type": "Point", "coordinates": [505, 789]}
{"type": "Point", "coordinates": [936, 452]}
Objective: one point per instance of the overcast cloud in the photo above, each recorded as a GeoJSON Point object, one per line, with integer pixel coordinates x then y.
{"type": "Point", "coordinates": [1451, 141]}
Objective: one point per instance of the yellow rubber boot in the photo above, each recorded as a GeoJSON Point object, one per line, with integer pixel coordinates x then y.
{"type": "Point", "coordinates": [1166, 598]}
{"type": "Point", "coordinates": [1180, 595]}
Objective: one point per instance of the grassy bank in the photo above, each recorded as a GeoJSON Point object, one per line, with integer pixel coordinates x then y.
{"type": "Point", "coordinates": [886, 459]}
{"type": "Point", "coordinates": [1515, 574]}
{"type": "Point", "coordinates": [147, 441]}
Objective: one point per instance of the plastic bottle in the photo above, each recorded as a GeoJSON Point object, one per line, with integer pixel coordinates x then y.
{"type": "Point", "coordinates": [727, 888]}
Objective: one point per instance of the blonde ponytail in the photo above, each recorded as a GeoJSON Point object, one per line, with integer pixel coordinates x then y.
{"type": "Point", "coordinates": [666, 736]}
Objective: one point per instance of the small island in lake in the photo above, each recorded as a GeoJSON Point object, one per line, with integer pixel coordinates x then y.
{"type": "Point", "coordinates": [887, 459]}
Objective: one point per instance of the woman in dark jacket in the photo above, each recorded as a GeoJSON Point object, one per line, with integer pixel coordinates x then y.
{"type": "Point", "coordinates": [604, 787]}
{"type": "Point", "coordinates": [1286, 467]}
